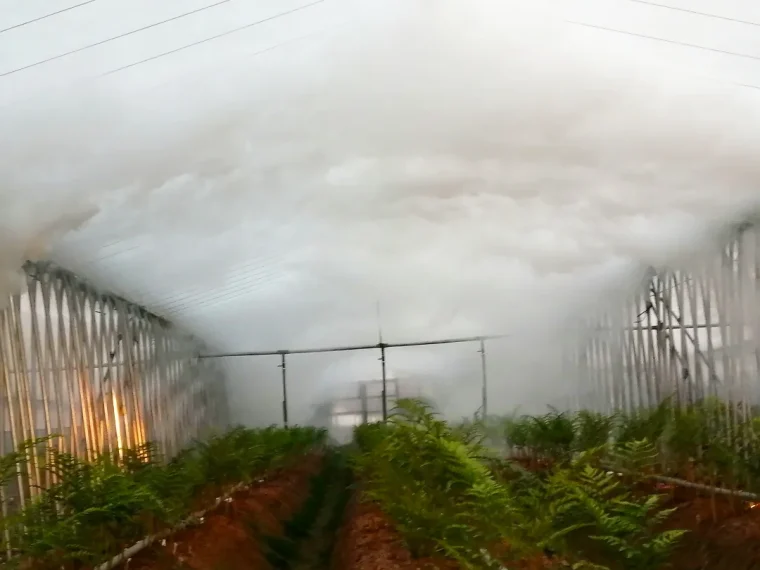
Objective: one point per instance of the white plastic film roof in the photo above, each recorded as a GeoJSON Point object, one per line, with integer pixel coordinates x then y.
{"type": "Point", "coordinates": [264, 257]}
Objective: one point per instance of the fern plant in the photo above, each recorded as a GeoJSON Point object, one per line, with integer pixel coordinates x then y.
{"type": "Point", "coordinates": [627, 526]}
{"type": "Point", "coordinates": [630, 530]}
{"type": "Point", "coordinates": [592, 430]}
{"type": "Point", "coordinates": [645, 424]}
{"type": "Point", "coordinates": [552, 435]}
{"type": "Point", "coordinates": [95, 508]}
{"type": "Point", "coordinates": [636, 457]}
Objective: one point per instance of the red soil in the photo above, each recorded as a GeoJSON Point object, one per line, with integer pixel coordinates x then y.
{"type": "Point", "coordinates": [723, 532]}
{"type": "Point", "coordinates": [227, 538]}
{"type": "Point", "coordinates": [368, 541]}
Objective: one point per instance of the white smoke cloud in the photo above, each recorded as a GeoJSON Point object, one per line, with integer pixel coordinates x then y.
{"type": "Point", "coordinates": [473, 166]}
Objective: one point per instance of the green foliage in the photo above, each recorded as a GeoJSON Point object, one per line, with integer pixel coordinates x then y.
{"type": "Point", "coordinates": [627, 526]}
{"type": "Point", "coordinates": [636, 456]}
{"type": "Point", "coordinates": [431, 482]}
{"type": "Point", "coordinates": [645, 424]}
{"type": "Point", "coordinates": [550, 435]}
{"type": "Point", "coordinates": [94, 509]}
{"type": "Point", "coordinates": [447, 498]}
{"type": "Point", "coordinates": [711, 441]}
{"type": "Point", "coordinates": [369, 436]}
{"type": "Point", "coordinates": [592, 430]}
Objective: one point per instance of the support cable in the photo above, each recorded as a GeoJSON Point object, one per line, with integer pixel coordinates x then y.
{"type": "Point", "coordinates": [114, 38]}
{"type": "Point", "coordinates": [215, 37]}
{"type": "Point", "coordinates": [667, 41]}
{"type": "Point", "coordinates": [51, 14]}
{"type": "Point", "coordinates": [240, 28]}
{"type": "Point", "coordinates": [696, 12]}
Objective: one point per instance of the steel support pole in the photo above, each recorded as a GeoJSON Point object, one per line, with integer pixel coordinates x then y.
{"type": "Point", "coordinates": [363, 403]}
{"type": "Point", "coordinates": [484, 387]}
{"type": "Point", "coordinates": [283, 366]}
{"type": "Point", "coordinates": [385, 386]}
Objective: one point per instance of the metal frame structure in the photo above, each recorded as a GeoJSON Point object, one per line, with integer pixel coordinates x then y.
{"type": "Point", "coordinates": [690, 335]}
{"type": "Point", "coordinates": [106, 374]}
{"type": "Point", "coordinates": [99, 372]}
{"type": "Point", "coordinates": [364, 403]}
{"type": "Point", "coordinates": [382, 347]}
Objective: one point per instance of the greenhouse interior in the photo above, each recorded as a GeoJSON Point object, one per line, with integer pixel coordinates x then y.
{"type": "Point", "coordinates": [371, 285]}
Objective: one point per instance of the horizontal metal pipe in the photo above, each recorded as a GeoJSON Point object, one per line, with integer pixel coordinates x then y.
{"type": "Point", "coordinates": [355, 347]}
{"type": "Point", "coordinates": [707, 488]}
{"type": "Point", "coordinates": [658, 327]}
{"type": "Point", "coordinates": [745, 495]}
{"type": "Point", "coordinates": [688, 484]}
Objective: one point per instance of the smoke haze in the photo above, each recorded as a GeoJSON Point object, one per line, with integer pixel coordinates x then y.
{"type": "Point", "coordinates": [475, 167]}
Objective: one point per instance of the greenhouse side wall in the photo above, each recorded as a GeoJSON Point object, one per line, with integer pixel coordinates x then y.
{"type": "Point", "coordinates": [687, 336]}
{"type": "Point", "coordinates": [97, 373]}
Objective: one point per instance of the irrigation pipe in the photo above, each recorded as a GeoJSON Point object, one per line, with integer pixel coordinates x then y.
{"type": "Point", "coordinates": [136, 548]}
{"type": "Point", "coordinates": [192, 519]}
{"type": "Point", "coordinates": [688, 484]}
{"type": "Point", "coordinates": [746, 495]}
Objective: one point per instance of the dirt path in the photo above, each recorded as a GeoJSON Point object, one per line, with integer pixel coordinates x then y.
{"type": "Point", "coordinates": [315, 550]}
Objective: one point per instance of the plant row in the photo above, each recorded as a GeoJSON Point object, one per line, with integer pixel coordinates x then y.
{"type": "Point", "coordinates": [709, 441]}
{"type": "Point", "coordinates": [93, 509]}
{"type": "Point", "coordinates": [449, 499]}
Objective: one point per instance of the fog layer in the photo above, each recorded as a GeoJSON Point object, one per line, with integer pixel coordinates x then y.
{"type": "Point", "coordinates": [475, 167]}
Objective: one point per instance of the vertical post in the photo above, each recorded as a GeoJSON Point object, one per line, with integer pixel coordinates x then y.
{"type": "Point", "coordinates": [385, 386]}
{"type": "Point", "coordinates": [484, 387]}
{"type": "Point", "coordinates": [363, 403]}
{"type": "Point", "coordinates": [283, 366]}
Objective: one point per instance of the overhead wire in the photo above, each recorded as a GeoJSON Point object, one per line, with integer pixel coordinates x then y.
{"type": "Point", "coordinates": [252, 24]}
{"type": "Point", "coordinates": [696, 12]}
{"type": "Point", "coordinates": [664, 40]}
{"type": "Point", "coordinates": [237, 287]}
{"type": "Point", "coordinates": [238, 275]}
{"type": "Point", "coordinates": [114, 38]}
{"type": "Point", "coordinates": [233, 283]}
{"type": "Point", "coordinates": [200, 302]}
{"type": "Point", "coordinates": [675, 42]}
{"type": "Point", "coordinates": [215, 37]}
{"type": "Point", "coordinates": [206, 40]}
{"type": "Point", "coordinates": [39, 18]}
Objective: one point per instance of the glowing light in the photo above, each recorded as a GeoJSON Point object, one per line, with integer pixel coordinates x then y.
{"type": "Point", "coordinates": [117, 423]}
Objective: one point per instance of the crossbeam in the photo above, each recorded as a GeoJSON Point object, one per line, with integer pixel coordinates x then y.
{"type": "Point", "coordinates": [376, 346]}
{"type": "Point", "coordinates": [381, 346]}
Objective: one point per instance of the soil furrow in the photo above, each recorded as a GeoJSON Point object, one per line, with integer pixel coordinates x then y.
{"type": "Point", "coordinates": [315, 549]}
